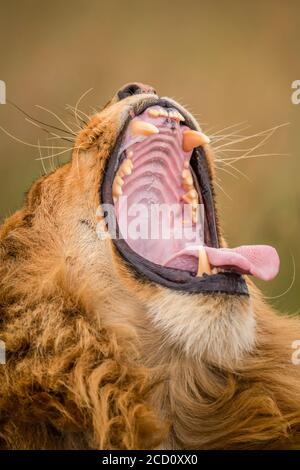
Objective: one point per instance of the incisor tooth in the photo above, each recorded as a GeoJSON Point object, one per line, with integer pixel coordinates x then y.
{"type": "Point", "coordinates": [153, 112]}
{"type": "Point", "coordinates": [143, 128]}
{"type": "Point", "coordinates": [203, 264]}
{"type": "Point", "coordinates": [192, 139]}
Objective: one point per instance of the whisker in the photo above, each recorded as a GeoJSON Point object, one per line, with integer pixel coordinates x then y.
{"type": "Point", "coordinates": [79, 101]}
{"type": "Point", "coordinates": [228, 127]}
{"type": "Point", "coordinates": [228, 172]}
{"type": "Point", "coordinates": [223, 190]}
{"type": "Point", "coordinates": [58, 153]}
{"type": "Point", "coordinates": [56, 116]}
{"type": "Point", "coordinates": [56, 136]}
{"type": "Point", "coordinates": [37, 120]}
{"type": "Point", "coordinates": [291, 284]}
{"type": "Point", "coordinates": [83, 121]}
{"type": "Point", "coordinates": [243, 157]}
{"type": "Point", "coordinates": [28, 143]}
{"type": "Point", "coordinates": [269, 133]}
{"type": "Point", "coordinates": [42, 162]}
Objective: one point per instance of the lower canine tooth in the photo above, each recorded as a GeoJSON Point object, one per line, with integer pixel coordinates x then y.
{"type": "Point", "coordinates": [192, 139]}
{"type": "Point", "coordinates": [203, 264]}
{"type": "Point", "coordinates": [143, 128]}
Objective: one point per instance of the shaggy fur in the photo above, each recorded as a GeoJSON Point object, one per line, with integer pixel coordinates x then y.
{"type": "Point", "coordinates": [97, 358]}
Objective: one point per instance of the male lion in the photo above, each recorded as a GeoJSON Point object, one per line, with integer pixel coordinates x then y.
{"type": "Point", "coordinates": [130, 343]}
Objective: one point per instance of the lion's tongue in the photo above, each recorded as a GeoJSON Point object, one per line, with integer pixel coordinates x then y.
{"type": "Point", "coordinates": [261, 261]}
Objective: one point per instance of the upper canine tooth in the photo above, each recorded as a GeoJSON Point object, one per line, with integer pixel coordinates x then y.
{"type": "Point", "coordinates": [192, 139]}
{"type": "Point", "coordinates": [180, 117]}
{"type": "Point", "coordinates": [143, 128]}
{"type": "Point", "coordinates": [203, 264]}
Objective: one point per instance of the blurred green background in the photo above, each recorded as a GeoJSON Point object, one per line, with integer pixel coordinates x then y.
{"type": "Point", "coordinates": [230, 62]}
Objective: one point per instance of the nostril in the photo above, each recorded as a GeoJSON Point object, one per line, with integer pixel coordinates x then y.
{"type": "Point", "coordinates": [134, 89]}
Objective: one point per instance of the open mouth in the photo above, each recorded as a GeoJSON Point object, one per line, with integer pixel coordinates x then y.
{"type": "Point", "coordinates": [158, 183]}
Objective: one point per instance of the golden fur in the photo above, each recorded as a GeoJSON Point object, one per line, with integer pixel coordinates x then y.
{"type": "Point", "coordinates": [99, 359]}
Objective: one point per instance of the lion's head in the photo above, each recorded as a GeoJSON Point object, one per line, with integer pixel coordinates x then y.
{"type": "Point", "coordinates": [145, 149]}
{"type": "Point", "coordinates": [108, 332]}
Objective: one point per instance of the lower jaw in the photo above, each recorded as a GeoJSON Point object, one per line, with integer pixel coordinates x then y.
{"type": "Point", "coordinates": [179, 280]}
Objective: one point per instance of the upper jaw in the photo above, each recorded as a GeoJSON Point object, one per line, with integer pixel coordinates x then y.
{"type": "Point", "coordinates": [177, 279]}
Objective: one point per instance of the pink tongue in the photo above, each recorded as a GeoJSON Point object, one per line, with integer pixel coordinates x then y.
{"type": "Point", "coordinates": [261, 261]}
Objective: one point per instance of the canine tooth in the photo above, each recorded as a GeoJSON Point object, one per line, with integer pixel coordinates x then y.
{"type": "Point", "coordinates": [153, 112]}
{"type": "Point", "coordinates": [180, 117]}
{"type": "Point", "coordinates": [143, 128]}
{"type": "Point", "coordinates": [203, 264]}
{"type": "Point", "coordinates": [192, 139]}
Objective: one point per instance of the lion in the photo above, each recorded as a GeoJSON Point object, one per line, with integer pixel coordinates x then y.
{"type": "Point", "coordinates": [118, 343]}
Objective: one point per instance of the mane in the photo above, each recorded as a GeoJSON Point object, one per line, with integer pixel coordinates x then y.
{"type": "Point", "coordinates": [87, 369]}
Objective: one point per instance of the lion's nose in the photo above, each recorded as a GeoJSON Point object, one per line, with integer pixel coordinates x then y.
{"type": "Point", "coordinates": [134, 88]}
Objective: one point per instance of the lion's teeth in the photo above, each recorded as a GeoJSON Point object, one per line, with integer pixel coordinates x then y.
{"type": "Point", "coordinates": [153, 112]}
{"type": "Point", "coordinates": [187, 179]}
{"type": "Point", "coordinates": [190, 196]}
{"type": "Point", "coordinates": [143, 128]}
{"type": "Point", "coordinates": [203, 264]}
{"type": "Point", "coordinates": [118, 180]}
{"type": "Point", "coordinates": [166, 113]}
{"type": "Point", "coordinates": [192, 139]}
{"type": "Point", "coordinates": [125, 168]}
{"type": "Point", "coordinates": [116, 190]}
